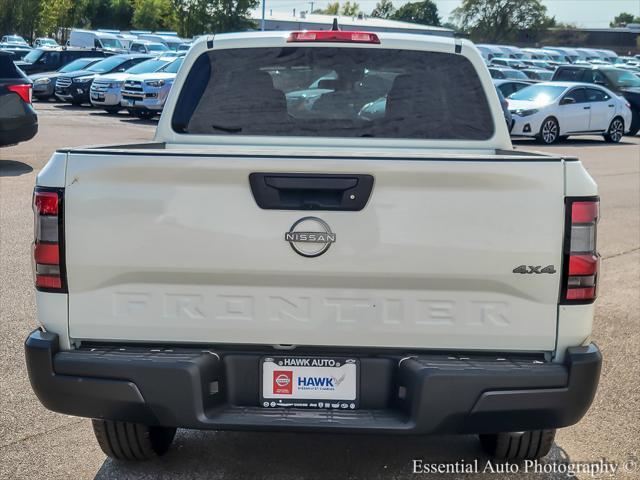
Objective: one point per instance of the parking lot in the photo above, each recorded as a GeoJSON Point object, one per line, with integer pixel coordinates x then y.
{"type": "Point", "coordinates": [36, 443]}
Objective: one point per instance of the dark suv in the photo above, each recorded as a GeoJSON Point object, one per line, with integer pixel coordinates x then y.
{"type": "Point", "coordinates": [18, 120]}
{"type": "Point", "coordinates": [622, 82]}
{"type": "Point", "coordinates": [50, 59]}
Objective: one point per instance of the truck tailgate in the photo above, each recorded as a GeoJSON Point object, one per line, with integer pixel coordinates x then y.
{"type": "Point", "coordinates": [174, 248]}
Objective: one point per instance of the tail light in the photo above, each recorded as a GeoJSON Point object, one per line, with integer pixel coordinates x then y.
{"type": "Point", "coordinates": [581, 259]}
{"type": "Point", "coordinates": [24, 91]}
{"type": "Point", "coordinates": [339, 36]}
{"type": "Point", "coordinates": [48, 253]}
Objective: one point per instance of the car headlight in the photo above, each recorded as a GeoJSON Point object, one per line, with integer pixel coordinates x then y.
{"type": "Point", "coordinates": [525, 113]}
{"type": "Point", "coordinates": [83, 79]}
{"type": "Point", "coordinates": [42, 81]}
{"type": "Point", "coordinates": [155, 83]}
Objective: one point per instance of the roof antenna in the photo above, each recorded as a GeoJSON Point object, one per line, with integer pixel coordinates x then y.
{"type": "Point", "coordinates": [335, 27]}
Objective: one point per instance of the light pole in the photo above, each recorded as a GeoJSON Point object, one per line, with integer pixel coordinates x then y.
{"type": "Point", "coordinates": [264, 6]}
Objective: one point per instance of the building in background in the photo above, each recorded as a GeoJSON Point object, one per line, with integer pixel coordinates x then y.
{"type": "Point", "coordinates": [313, 21]}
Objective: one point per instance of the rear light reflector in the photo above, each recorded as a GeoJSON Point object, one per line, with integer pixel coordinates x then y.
{"type": "Point", "coordinates": [46, 253]}
{"type": "Point", "coordinates": [48, 261]}
{"type": "Point", "coordinates": [581, 293]}
{"type": "Point", "coordinates": [45, 282]}
{"type": "Point", "coordinates": [584, 212]}
{"type": "Point", "coordinates": [339, 36]}
{"type": "Point", "coordinates": [581, 263]}
{"type": "Point", "coordinates": [24, 91]}
{"type": "Point", "coordinates": [46, 203]}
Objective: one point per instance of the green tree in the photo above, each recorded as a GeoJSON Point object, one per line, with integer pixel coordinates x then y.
{"type": "Point", "coordinates": [331, 9]}
{"type": "Point", "coordinates": [425, 13]}
{"type": "Point", "coordinates": [500, 20]}
{"type": "Point", "coordinates": [384, 9]}
{"type": "Point", "coordinates": [121, 14]}
{"type": "Point", "coordinates": [624, 19]}
{"type": "Point", "coordinates": [29, 14]}
{"type": "Point", "coordinates": [152, 14]}
{"type": "Point", "coordinates": [9, 16]}
{"type": "Point", "coordinates": [231, 15]}
{"type": "Point", "coordinates": [350, 9]}
{"type": "Point", "coordinates": [54, 15]}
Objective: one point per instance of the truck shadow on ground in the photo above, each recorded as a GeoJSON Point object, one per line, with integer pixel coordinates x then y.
{"type": "Point", "coordinates": [71, 108]}
{"type": "Point", "coordinates": [139, 121]}
{"type": "Point", "coordinates": [242, 455]}
{"type": "Point", "coordinates": [13, 168]}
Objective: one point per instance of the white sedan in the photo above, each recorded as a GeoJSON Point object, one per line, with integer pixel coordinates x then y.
{"type": "Point", "coordinates": [552, 110]}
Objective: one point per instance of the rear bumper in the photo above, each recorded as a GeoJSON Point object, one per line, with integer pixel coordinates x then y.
{"type": "Point", "coordinates": [43, 90]}
{"type": "Point", "coordinates": [109, 97]}
{"type": "Point", "coordinates": [202, 389]}
{"type": "Point", "coordinates": [74, 93]}
{"type": "Point", "coordinates": [18, 129]}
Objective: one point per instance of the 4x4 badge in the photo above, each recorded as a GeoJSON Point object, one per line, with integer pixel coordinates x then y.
{"type": "Point", "coordinates": [534, 269]}
{"type": "Point", "coordinates": [310, 237]}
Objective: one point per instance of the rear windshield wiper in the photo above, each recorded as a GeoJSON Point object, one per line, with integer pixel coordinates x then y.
{"type": "Point", "coordinates": [227, 129]}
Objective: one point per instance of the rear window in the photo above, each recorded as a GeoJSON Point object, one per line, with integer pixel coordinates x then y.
{"type": "Point", "coordinates": [8, 69]}
{"type": "Point", "coordinates": [568, 75]}
{"type": "Point", "coordinates": [333, 92]}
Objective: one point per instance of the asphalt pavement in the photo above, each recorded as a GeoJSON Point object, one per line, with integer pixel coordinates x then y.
{"type": "Point", "coordinates": [38, 444]}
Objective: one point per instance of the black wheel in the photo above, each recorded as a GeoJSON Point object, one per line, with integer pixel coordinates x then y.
{"type": "Point", "coordinates": [549, 131]}
{"type": "Point", "coordinates": [132, 441]}
{"type": "Point", "coordinates": [518, 446]}
{"type": "Point", "coordinates": [112, 110]}
{"type": "Point", "coordinates": [616, 131]}
{"type": "Point", "coordinates": [635, 121]}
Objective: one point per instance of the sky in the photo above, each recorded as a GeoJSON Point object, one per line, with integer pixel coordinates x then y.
{"type": "Point", "coordinates": [584, 13]}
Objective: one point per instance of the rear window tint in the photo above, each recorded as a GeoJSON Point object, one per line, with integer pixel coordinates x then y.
{"type": "Point", "coordinates": [333, 92]}
{"type": "Point", "coordinates": [8, 69]}
{"type": "Point", "coordinates": [569, 75]}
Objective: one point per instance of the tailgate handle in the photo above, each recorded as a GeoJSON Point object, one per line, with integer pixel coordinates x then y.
{"type": "Point", "coordinates": [294, 191]}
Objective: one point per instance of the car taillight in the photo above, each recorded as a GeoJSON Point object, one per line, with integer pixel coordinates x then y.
{"type": "Point", "coordinates": [48, 258]}
{"type": "Point", "coordinates": [333, 36]}
{"type": "Point", "coordinates": [24, 91]}
{"type": "Point", "coordinates": [581, 259]}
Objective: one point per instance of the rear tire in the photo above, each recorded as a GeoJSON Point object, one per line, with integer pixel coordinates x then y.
{"type": "Point", "coordinates": [132, 441]}
{"type": "Point", "coordinates": [530, 445]}
{"type": "Point", "coordinates": [549, 131]}
{"type": "Point", "coordinates": [615, 132]}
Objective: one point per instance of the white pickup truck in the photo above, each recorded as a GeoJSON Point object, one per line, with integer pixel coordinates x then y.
{"type": "Point", "coordinates": [276, 260]}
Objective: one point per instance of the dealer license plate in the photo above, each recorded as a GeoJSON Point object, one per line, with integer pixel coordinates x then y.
{"type": "Point", "coordinates": [310, 382]}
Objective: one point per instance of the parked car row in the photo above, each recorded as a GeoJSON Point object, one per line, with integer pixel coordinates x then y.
{"type": "Point", "coordinates": [139, 83]}
{"type": "Point", "coordinates": [107, 42]}
{"type": "Point", "coordinates": [596, 73]}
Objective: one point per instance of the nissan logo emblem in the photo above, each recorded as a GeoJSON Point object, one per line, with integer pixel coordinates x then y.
{"type": "Point", "coordinates": [310, 237]}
